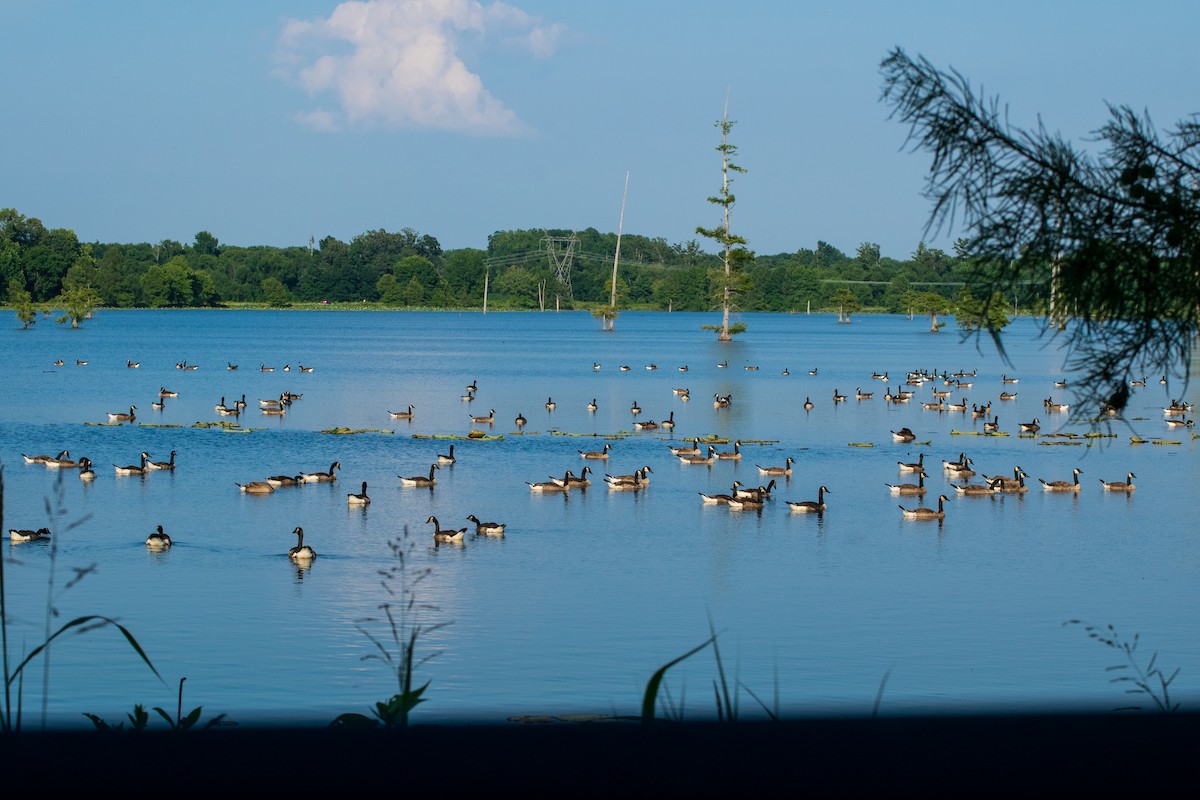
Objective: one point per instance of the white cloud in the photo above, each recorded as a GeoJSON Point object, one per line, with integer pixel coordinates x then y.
{"type": "Point", "coordinates": [397, 63]}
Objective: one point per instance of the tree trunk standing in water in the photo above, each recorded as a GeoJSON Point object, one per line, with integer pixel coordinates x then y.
{"type": "Point", "coordinates": [734, 251]}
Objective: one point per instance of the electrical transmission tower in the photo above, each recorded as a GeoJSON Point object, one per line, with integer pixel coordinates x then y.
{"type": "Point", "coordinates": [561, 252]}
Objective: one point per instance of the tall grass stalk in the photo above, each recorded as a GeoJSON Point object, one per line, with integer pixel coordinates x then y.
{"type": "Point", "coordinates": [1148, 679]}
{"type": "Point", "coordinates": [403, 626]}
{"type": "Point", "coordinates": [10, 712]}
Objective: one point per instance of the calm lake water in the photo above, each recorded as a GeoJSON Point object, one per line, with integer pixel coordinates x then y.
{"type": "Point", "coordinates": [588, 593]}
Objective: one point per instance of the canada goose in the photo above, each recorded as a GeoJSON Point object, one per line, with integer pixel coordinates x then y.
{"type": "Point", "coordinates": [1062, 486]}
{"type": "Point", "coordinates": [44, 459]}
{"type": "Point", "coordinates": [938, 406]}
{"type": "Point", "coordinates": [1061, 383]}
{"type": "Point", "coordinates": [240, 404]}
{"type": "Point", "coordinates": [718, 499]}
{"type": "Point", "coordinates": [808, 404]}
{"type": "Point", "coordinates": [1030, 427]}
{"type": "Point", "coordinates": [572, 480]}
{"type": "Point", "coordinates": [86, 473]}
{"type": "Point", "coordinates": [276, 411]}
{"type": "Point", "coordinates": [645, 425]}
{"type": "Point", "coordinates": [859, 394]}
{"type": "Point", "coordinates": [26, 535]}
{"type": "Point", "coordinates": [624, 368]}
{"type": "Point", "coordinates": [639, 475]}
{"type": "Point", "coordinates": [722, 401]}
{"type": "Point", "coordinates": [447, 458]}
{"type": "Point", "coordinates": [158, 405]}
{"type": "Point", "coordinates": [697, 459]}
{"type": "Point", "coordinates": [1142, 382]}
{"type": "Point", "coordinates": [230, 366]}
{"type": "Point", "coordinates": [65, 462]}
{"type": "Point", "coordinates": [1008, 395]}
{"type": "Point", "coordinates": [917, 488]}
{"type": "Point", "coordinates": [838, 398]}
{"type": "Point", "coordinates": [226, 411]}
{"type": "Point", "coordinates": [919, 466]}
{"type": "Point", "coordinates": [975, 489]}
{"type": "Point", "coordinates": [265, 368]}
{"type": "Point", "coordinates": [1180, 423]}
{"type": "Point", "coordinates": [685, 397]}
{"type": "Point", "coordinates": [595, 366]}
{"type": "Point", "coordinates": [420, 480]}
{"type": "Point", "coordinates": [188, 366]}
{"type": "Point", "coordinates": [550, 404]}
{"type": "Point", "coordinates": [903, 435]}
{"type": "Point", "coordinates": [486, 528]}
{"type": "Point", "coordinates": [402, 414]}
{"type": "Point", "coordinates": [723, 364]}
{"type": "Point", "coordinates": [993, 426]}
{"type": "Point", "coordinates": [753, 492]}
{"type": "Point", "coordinates": [903, 396]}
{"type": "Point", "coordinates": [133, 364]}
{"type": "Point", "coordinates": [1053, 406]}
{"type": "Point", "coordinates": [694, 450]}
{"type": "Point", "coordinates": [957, 406]}
{"type": "Point", "coordinates": [669, 422]}
{"type": "Point", "coordinates": [285, 480]}
{"type": "Point", "coordinates": [273, 402]}
{"type": "Point", "coordinates": [79, 362]}
{"type": "Point", "coordinates": [520, 420]}
{"type": "Point", "coordinates": [488, 420]}
{"type": "Point", "coordinates": [1120, 486]}
{"type": "Point", "coordinates": [679, 391]}
{"type": "Point", "coordinates": [1163, 380]}
{"type": "Point", "coordinates": [746, 503]}
{"type": "Point", "coordinates": [1006, 379]}
{"type": "Point", "coordinates": [812, 371]}
{"type": "Point", "coordinates": [58, 363]}
{"type": "Point", "coordinates": [304, 368]}
{"type": "Point", "coordinates": [785, 372]}
{"type": "Point", "coordinates": [635, 484]}
{"type": "Point", "coordinates": [926, 513]}
{"type": "Point", "coordinates": [301, 552]}
{"type": "Point", "coordinates": [732, 455]}
{"type": "Point", "coordinates": [468, 397]}
{"type": "Point", "coordinates": [322, 477]}
{"type": "Point", "coordinates": [133, 470]}
{"type": "Point", "coordinates": [592, 405]}
{"type": "Point", "coordinates": [683, 368]}
{"type": "Point", "coordinates": [809, 506]}
{"type": "Point", "coordinates": [962, 469]}
{"type": "Point", "coordinates": [130, 417]}
{"type": "Point", "coordinates": [158, 540]}
{"type": "Point", "coordinates": [635, 409]}
{"type": "Point", "coordinates": [941, 395]}
{"type": "Point", "coordinates": [166, 465]}
{"type": "Point", "coordinates": [448, 534]}
{"type": "Point", "coordinates": [552, 485]}
{"type": "Point", "coordinates": [950, 466]}
{"type": "Point", "coordinates": [652, 366]}
{"type": "Point", "coordinates": [1015, 485]}
{"type": "Point", "coordinates": [880, 376]}
{"type": "Point", "coordinates": [165, 392]}
{"type": "Point", "coordinates": [255, 487]}
{"type": "Point", "coordinates": [602, 454]}
{"type": "Point", "coordinates": [360, 499]}
{"type": "Point", "coordinates": [288, 397]}
{"type": "Point", "coordinates": [786, 469]}
{"type": "Point", "coordinates": [287, 367]}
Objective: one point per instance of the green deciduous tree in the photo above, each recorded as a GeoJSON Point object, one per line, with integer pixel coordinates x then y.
{"type": "Point", "coordinates": [1113, 239]}
{"type": "Point", "coordinates": [77, 303]}
{"type": "Point", "coordinates": [275, 293]}
{"type": "Point", "coordinates": [22, 302]}
{"type": "Point", "coordinates": [734, 254]}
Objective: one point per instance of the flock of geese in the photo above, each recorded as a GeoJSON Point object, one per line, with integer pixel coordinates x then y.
{"type": "Point", "coordinates": [738, 497]}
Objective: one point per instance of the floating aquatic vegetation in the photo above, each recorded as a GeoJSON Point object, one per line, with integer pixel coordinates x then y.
{"type": "Point", "coordinates": [348, 431]}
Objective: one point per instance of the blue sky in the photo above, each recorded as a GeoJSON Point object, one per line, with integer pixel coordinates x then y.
{"type": "Point", "coordinates": [271, 121]}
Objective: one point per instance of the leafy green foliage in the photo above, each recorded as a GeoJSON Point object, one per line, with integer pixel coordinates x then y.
{"type": "Point", "coordinates": [1110, 242]}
